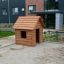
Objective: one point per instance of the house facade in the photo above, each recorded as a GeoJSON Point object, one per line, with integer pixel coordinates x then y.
{"type": "Point", "coordinates": [11, 9]}
{"type": "Point", "coordinates": [34, 5]}
{"type": "Point", "coordinates": [51, 11]}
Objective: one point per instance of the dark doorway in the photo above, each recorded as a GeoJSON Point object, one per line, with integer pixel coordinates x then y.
{"type": "Point", "coordinates": [49, 20]}
{"type": "Point", "coordinates": [37, 35]}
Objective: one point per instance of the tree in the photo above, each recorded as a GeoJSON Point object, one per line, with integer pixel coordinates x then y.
{"type": "Point", "coordinates": [49, 4]}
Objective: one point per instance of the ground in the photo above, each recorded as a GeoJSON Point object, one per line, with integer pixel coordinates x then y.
{"type": "Point", "coordinates": [43, 53]}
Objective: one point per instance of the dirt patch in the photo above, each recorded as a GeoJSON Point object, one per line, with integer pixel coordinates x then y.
{"type": "Point", "coordinates": [52, 56]}
{"type": "Point", "coordinates": [43, 53]}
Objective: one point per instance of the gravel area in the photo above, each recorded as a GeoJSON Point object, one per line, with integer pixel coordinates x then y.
{"type": "Point", "coordinates": [6, 41]}
{"type": "Point", "coordinates": [43, 53]}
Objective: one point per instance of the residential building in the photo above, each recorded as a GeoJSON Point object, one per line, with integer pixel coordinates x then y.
{"type": "Point", "coordinates": [34, 5]}
{"type": "Point", "coordinates": [11, 9]}
{"type": "Point", "coordinates": [51, 11]}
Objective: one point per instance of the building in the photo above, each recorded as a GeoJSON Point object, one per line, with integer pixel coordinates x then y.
{"type": "Point", "coordinates": [34, 5]}
{"type": "Point", "coordinates": [29, 30]}
{"type": "Point", "coordinates": [51, 10]}
{"type": "Point", "coordinates": [11, 9]}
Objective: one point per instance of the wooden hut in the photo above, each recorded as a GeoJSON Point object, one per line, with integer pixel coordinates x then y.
{"type": "Point", "coordinates": [29, 30]}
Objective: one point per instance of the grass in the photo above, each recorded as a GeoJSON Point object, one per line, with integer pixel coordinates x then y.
{"type": "Point", "coordinates": [5, 33]}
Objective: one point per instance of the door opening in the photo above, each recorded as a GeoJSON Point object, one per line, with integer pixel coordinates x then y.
{"type": "Point", "coordinates": [37, 35]}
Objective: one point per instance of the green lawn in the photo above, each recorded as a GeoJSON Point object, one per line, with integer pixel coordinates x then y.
{"type": "Point", "coordinates": [6, 33]}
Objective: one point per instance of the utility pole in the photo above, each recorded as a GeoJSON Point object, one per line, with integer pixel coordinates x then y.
{"type": "Point", "coordinates": [45, 10]}
{"type": "Point", "coordinates": [9, 11]}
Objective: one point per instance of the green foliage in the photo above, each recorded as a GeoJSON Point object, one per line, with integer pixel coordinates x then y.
{"type": "Point", "coordinates": [51, 37]}
{"type": "Point", "coordinates": [5, 33]}
{"type": "Point", "coordinates": [50, 4]}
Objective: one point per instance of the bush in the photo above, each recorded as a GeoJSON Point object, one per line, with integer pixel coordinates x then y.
{"type": "Point", "coordinates": [51, 36]}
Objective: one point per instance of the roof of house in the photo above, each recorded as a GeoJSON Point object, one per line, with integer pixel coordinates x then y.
{"type": "Point", "coordinates": [27, 22]}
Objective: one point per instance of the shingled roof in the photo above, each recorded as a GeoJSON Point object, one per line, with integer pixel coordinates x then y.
{"type": "Point", "coordinates": [27, 22]}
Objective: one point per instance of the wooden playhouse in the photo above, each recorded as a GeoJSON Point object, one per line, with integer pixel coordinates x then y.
{"type": "Point", "coordinates": [29, 30]}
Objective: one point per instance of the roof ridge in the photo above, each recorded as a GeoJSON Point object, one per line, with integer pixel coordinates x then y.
{"type": "Point", "coordinates": [26, 22]}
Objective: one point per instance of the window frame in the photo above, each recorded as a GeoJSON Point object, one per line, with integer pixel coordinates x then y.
{"type": "Point", "coordinates": [23, 9]}
{"type": "Point", "coordinates": [15, 11]}
{"type": "Point", "coordinates": [23, 34]}
{"type": "Point", "coordinates": [3, 13]}
{"type": "Point", "coordinates": [34, 8]}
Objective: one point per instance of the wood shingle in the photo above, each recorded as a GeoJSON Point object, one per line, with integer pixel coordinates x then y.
{"type": "Point", "coordinates": [27, 22]}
